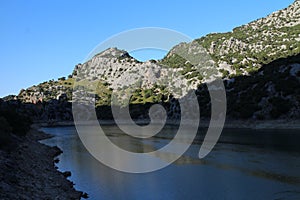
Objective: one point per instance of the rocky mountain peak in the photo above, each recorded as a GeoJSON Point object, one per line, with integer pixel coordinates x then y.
{"type": "Point", "coordinates": [113, 53]}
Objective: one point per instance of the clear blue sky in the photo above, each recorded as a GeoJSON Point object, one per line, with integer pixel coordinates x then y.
{"type": "Point", "coordinates": [43, 40]}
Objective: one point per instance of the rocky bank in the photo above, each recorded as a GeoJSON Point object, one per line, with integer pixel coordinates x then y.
{"type": "Point", "coordinates": [28, 171]}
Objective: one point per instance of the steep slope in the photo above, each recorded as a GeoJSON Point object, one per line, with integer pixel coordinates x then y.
{"type": "Point", "coordinates": [272, 92]}
{"type": "Point", "coordinates": [248, 47]}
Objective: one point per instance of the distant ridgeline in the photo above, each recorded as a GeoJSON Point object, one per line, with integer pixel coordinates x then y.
{"type": "Point", "coordinates": [259, 63]}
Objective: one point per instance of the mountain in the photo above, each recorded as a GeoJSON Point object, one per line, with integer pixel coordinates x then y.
{"type": "Point", "coordinates": [259, 63]}
{"type": "Point", "coordinates": [248, 47]}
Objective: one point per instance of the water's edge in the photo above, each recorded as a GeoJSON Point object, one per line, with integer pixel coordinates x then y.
{"type": "Point", "coordinates": [204, 123]}
{"type": "Point", "coordinates": [30, 172]}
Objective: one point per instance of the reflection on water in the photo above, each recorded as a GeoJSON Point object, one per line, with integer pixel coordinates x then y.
{"type": "Point", "coordinates": [229, 172]}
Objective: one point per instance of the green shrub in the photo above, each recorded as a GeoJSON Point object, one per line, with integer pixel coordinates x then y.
{"type": "Point", "coordinates": [224, 72]}
{"type": "Point", "coordinates": [176, 61]}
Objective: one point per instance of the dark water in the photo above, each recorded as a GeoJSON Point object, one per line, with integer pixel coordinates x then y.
{"type": "Point", "coordinates": [230, 171]}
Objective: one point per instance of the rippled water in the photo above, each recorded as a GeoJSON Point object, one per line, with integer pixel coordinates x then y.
{"type": "Point", "coordinates": [230, 171]}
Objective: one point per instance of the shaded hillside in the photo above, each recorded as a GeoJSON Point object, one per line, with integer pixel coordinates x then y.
{"type": "Point", "coordinates": [12, 123]}
{"type": "Point", "coordinates": [272, 92]}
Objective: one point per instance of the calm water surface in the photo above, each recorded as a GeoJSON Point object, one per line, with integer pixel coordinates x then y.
{"type": "Point", "coordinates": [230, 171]}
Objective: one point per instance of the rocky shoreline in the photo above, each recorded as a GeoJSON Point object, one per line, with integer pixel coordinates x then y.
{"type": "Point", "coordinates": [28, 171]}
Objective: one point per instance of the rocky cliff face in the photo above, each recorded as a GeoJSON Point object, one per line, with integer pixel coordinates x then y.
{"type": "Point", "coordinates": [259, 63]}
{"type": "Point", "coordinates": [119, 71]}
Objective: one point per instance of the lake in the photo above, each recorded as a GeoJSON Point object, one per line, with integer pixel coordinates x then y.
{"type": "Point", "coordinates": [230, 171]}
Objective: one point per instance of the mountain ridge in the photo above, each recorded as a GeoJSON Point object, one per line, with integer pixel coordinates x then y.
{"type": "Point", "coordinates": [240, 53]}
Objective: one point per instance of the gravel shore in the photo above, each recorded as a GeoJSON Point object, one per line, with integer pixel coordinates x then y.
{"type": "Point", "coordinates": [28, 171]}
